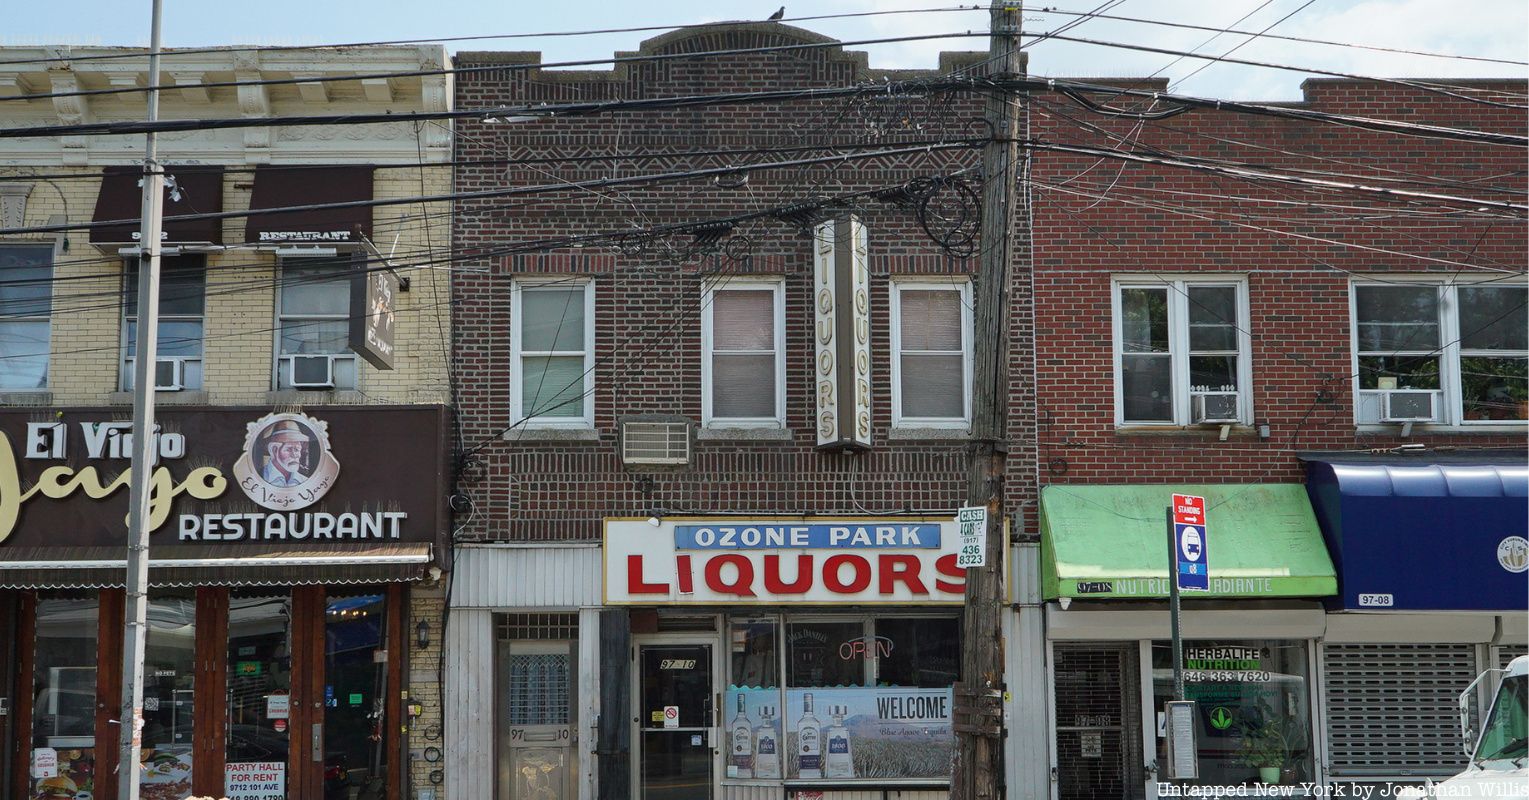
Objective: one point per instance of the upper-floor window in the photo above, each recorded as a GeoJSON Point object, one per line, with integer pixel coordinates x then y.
{"type": "Point", "coordinates": [182, 305]}
{"type": "Point", "coordinates": [552, 368]}
{"type": "Point", "coordinates": [1182, 352]}
{"type": "Point", "coordinates": [313, 325]}
{"type": "Point", "coordinates": [1446, 353]}
{"type": "Point", "coordinates": [743, 363]}
{"type": "Point", "coordinates": [26, 306]}
{"type": "Point", "coordinates": [931, 353]}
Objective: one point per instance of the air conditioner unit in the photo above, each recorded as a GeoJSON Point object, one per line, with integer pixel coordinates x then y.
{"type": "Point", "coordinates": [1214, 407]}
{"type": "Point", "coordinates": [169, 374]}
{"type": "Point", "coordinates": [311, 372]}
{"type": "Point", "coordinates": [1407, 405]}
{"type": "Point", "coordinates": [655, 443]}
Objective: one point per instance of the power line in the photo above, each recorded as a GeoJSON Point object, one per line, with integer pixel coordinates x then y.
{"type": "Point", "coordinates": [171, 54]}
{"type": "Point", "coordinates": [1239, 45]}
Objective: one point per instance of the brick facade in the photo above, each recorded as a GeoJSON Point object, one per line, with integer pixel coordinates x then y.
{"type": "Point", "coordinates": [535, 486]}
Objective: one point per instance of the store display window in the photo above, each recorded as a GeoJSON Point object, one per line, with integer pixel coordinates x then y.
{"type": "Point", "coordinates": [1254, 704]}
{"type": "Point", "coordinates": [169, 682]}
{"type": "Point", "coordinates": [865, 697]}
{"type": "Point", "coordinates": [259, 687]}
{"type": "Point", "coordinates": [64, 698]}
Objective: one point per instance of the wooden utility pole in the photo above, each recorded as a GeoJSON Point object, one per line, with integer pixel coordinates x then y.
{"type": "Point", "coordinates": [979, 698]}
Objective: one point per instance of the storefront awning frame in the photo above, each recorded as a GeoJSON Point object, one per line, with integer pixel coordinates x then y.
{"type": "Point", "coordinates": [213, 565]}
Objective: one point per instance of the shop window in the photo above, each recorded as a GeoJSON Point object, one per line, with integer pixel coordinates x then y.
{"type": "Point", "coordinates": [865, 698]}
{"type": "Point", "coordinates": [1455, 354]}
{"type": "Point", "coordinates": [169, 682]}
{"type": "Point", "coordinates": [26, 305]}
{"type": "Point", "coordinates": [182, 304]}
{"type": "Point", "coordinates": [931, 354]}
{"type": "Point", "coordinates": [355, 690]}
{"type": "Point", "coordinates": [259, 686]}
{"type": "Point", "coordinates": [313, 325]}
{"type": "Point", "coordinates": [1182, 353]}
{"type": "Point", "coordinates": [64, 695]}
{"type": "Point", "coordinates": [743, 361]}
{"type": "Point", "coordinates": [1254, 705]}
{"type": "Point", "coordinates": [552, 362]}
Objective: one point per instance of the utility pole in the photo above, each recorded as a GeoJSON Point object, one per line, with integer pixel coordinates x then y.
{"type": "Point", "coordinates": [145, 446]}
{"type": "Point", "coordinates": [979, 698]}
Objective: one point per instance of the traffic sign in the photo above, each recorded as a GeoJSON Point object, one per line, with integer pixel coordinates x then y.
{"type": "Point", "coordinates": [1190, 543]}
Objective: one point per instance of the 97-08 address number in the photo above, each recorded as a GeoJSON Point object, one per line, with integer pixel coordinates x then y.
{"type": "Point", "coordinates": [1227, 675]}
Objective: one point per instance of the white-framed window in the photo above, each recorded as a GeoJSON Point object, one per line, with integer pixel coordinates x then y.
{"type": "Point", "coordinates": [743, 361]}
{"type": "Point", "coordinates": [931, 353]}
{"type": "Point", "coordinates": [552, 367]}
{"type": "Point", "coordinates": [26, 308]}
{"type": "Point", "coordinates": [313, 325]}
{"type": "Point", "coordinates": [1182, 351]}
{"type": "Point", "coordinates": [1450, 353]}
{"type": "Point", "coordinates": [182, 309]}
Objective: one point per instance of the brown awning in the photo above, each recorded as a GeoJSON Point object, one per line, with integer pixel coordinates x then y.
{"type": "Point", "coordinates": [201, 192]}
{"type": "Point", "coordinates": [215, 565]}
{"type": "Point", "coordinates": [284, 186]}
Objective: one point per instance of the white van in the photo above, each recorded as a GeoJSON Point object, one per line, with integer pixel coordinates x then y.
{"type": "Point", "coordinates": [1500, 754]}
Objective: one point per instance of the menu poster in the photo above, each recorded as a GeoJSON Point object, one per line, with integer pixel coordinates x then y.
{"type": "Point", "coordinates": [73, 775]}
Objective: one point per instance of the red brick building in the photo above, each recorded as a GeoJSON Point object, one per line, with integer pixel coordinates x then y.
{"type": "Point", "coordinates": [1211, 334]}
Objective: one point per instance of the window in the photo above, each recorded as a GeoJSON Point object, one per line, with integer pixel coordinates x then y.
{"type": "Point", "coordinates": [1182, 353]}
{"type": "Point", "coordinates": [182, 302]}
{"type": "Point", "coordinates": [865, 697]}
{"type": "Point", "coordinates": [26, 301]}
{"type": "Point", "coordinates": [931, 354]}
{"type": "Point", "coordinates": [313, 325]}
{"type": "Point", "coordinates": [64, 690]}
{"type": "Point", "coordinates": [743, 367]}
{"type": "Point", "coordinates": [1453, 354]}
{"type": "Point", "coordinates": [553, 354]}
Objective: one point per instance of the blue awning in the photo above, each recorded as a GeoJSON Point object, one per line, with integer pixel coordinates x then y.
{"type": "Point", "coordinates": [1412, 536]}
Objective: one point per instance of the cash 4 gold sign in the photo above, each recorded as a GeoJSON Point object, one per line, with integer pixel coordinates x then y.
{"type": "Point", "coordinates": [905, 561]}
{"type": "Point", "coordinates": [221, 475]}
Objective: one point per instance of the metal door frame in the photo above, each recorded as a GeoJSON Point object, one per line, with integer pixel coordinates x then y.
{"type": "Point", "coordinates": [712, 640]}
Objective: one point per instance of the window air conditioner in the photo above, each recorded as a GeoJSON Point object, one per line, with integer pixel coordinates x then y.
{"type": "Point", "coordinates": [169, 374]}
{"type": "Point", "coordinates": [1407, 405]}
{"type": "Point", "coordinates": [655, 443]}
{"type": "Point", "coordinates": [1218, 408]}
{"type": "Point", "coordinates": [311, 372]}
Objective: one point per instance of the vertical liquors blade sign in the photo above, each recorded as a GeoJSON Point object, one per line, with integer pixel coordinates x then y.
{"type": "Point", "coordinates": [842, 333]}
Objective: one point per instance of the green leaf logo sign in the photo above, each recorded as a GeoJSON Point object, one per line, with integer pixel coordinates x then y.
{"type": "Point", "coordinates": [1220, 718]}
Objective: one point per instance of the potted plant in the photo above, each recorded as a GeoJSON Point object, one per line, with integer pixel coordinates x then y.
{"type": "Point", "coordinates": [1266, 745]}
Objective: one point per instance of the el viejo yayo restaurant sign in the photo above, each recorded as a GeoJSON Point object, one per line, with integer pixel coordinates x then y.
{"type": "Point", "coordinates": [775, 561]}
{"type": "Point", "coordinates": [232, 475]}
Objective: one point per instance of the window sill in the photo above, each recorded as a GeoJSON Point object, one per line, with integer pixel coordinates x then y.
{"type": "Point", "coordinates": [331, 397]}
{"type": "Point", "coordinates": [525, 434]}
{"type": "Point", "coordinates": [1239, 430]}
{"type": "Point", "coordinates": [1419, 428]}
{"type": "Point", "coordinates": [929, 433]}
{"type": "Point", "coordinates": [195, 397]}
{"type": "Point", "coordinates": [41, 397]}
{"type": "Point", "coordinates": [722, 433]}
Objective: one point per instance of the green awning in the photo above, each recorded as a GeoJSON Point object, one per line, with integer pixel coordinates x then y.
{"type": "Point", "coordinates": [1102, 542]}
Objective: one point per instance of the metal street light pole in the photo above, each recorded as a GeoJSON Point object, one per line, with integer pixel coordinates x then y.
{"type": "Point", "coordinates": [144, 445]}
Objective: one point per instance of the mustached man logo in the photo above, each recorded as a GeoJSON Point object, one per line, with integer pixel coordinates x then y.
{"type": "Point", "coordinates": [286, 463]}
{"type": "Point", "coordinates": [1513, 554]}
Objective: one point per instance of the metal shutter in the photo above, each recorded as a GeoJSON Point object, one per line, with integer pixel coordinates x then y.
{"type": "Point", "coordinates": [1391, 707]}
{"type": "Point", "coordinates": [1507, 652]}
{"type": "Point", "coordinates": [1098, 722]}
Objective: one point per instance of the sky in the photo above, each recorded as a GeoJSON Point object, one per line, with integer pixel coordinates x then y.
{"type": "Point", "coordinates": [1496, 29]}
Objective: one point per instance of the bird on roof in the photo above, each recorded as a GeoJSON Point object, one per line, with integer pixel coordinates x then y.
{"type": "Point", "coordinates": [780, 14]}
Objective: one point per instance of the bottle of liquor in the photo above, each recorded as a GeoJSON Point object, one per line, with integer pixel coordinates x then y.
{"type": "Point", "coordinates": [809, 742]}
{"type": "Point", "coordinates": [838, 760]}
{"type": "Point", "coordinates": [743, 742]}
{"type": "Point", "coordinates": [767, 746]}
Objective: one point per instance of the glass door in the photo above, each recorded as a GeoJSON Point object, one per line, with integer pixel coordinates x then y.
{"type": "Point", "coordinates": [677, 718]}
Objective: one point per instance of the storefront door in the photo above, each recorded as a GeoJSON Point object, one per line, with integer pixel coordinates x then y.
{"type": "Point", "coordinates": [537, 743]}
{"type": "Point", "coordinates": [676, 721]}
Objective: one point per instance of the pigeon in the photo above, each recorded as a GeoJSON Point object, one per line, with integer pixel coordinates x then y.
{"type": "Point", "coordinates": [778, 14]}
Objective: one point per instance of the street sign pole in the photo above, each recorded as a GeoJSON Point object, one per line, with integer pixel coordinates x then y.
{"type": "Point", "coordinates": [1173, 609]}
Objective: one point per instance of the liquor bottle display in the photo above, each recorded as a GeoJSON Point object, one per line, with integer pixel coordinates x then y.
{"type": "Point", "coordinates": [838, 760]}
{"type": "Point", "coordinates": [809, 742]}
{"type": "Point", "coordinates": [743, 742]}
{"type": "Point", "coordinates": [766, 746]}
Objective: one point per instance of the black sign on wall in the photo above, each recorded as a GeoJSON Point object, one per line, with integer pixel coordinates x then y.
{"type": "Point", "coordinates": [373, 298]}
